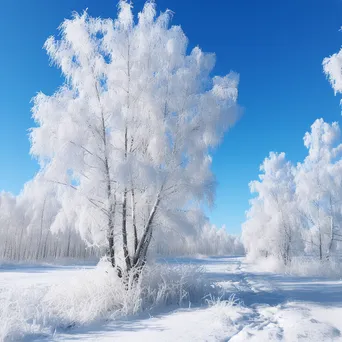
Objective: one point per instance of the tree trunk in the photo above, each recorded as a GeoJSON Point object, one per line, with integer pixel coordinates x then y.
{"type": "Point", "coordinates": [140, 255]}
{"type": "Point", "coordinates": [110, 234]}
{"type": "Point", "coordinates": [134, 222]}
{"type": "Point", "coordinates": [20, 242]}
{"type": "Point", "coordinates": [45, 251]}
{"type": "Point", "coordinates": [124, 232]}
{"type": "Point", "coordinates": [331, 238]}
{"type": "Point", "coordinates": [110, 199]}
{"type": "Point", "coordinates": [41, 230]}
{"type": "Point", "coordinates": [5, 247]}
{"type": "Point", "coordinates": [68, 245]}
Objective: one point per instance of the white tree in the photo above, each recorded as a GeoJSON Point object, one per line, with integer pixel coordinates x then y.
{"type": "Point", "coordinates": [204, 239]}
{"type": "Point", "coordinates": [332, 67]}
{"type": "Point", "coordinates": [272, 227]}
{"type": "Point", "coordinates": [129, 131]}
{"type": "Point", "coordinates": [7, 225]}
{"type": "Point", "coordinates": [26, 231]}
{"type": "Point", "coordinates": [319, 186]}
{"type": "Point", "coordinates": [299, 205]}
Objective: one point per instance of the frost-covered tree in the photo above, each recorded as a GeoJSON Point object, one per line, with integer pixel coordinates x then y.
{"type": "Point", "coordinates": [272, 222]}
{"type": "Point", "coordinates": [129, 131]}
{"type": "Point", "coordinates": [25, 227]}
{"type": "Point", "coordinates": [300, 206]}
{"type": "Point", "coordinates": [319, 186]}
{"type": "Point", "coordinates": [7, 225]}
{"type": "Point", "coordinates": [207, 239]}
{"type": "Point", "coordinates": [332, 67]}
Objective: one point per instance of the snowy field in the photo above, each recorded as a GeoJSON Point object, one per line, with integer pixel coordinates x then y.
{"type": "Point", "coordinates": [267, 307]}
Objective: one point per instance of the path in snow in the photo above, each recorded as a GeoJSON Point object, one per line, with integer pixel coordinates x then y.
{"type": "Point", "coordinates": [274, 308]}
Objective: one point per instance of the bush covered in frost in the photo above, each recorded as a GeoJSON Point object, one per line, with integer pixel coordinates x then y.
{"type": "Point", "coordinates": [98, 294]}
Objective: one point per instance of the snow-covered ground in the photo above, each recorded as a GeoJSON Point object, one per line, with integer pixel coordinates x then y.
{"type": "Point", "coordinates": [272, 308]}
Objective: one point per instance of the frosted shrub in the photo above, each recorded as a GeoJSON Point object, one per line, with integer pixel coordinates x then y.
{"type": "Point", "coordinates": [308, 266]}
{"type": "Point", "coordinates": [305, 266]}
{"type": "Point", "coordinates": [98, 294]}
{"type": "Point", "coordinates": [166, 285]}
{"type": "Point", "coordinates": [228, 312]}
{"type": "Point", "coordinates": [19, 313]}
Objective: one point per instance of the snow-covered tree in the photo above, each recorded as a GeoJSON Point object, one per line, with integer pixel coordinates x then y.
{"type": "Point", "coordinates": [128, 133]}
{"type": "Point", "coordinates": [319, 186]}
{"type": "Point", "coordinates": [272, 226]}
{"type": "Point", "coordinates": [332, 67]}
{"type": "Point", "coordinates": [7, 225]}
{"type": "Point", "coordinates": [25, 227]}
{"type": "Point", "coordinates": [207, 239]}
{"type": "Point", "coordinates": [300, 206]}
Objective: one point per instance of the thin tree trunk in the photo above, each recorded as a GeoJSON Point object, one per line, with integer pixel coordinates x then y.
{"type": "Point", "coordinates": [134, 222]}
{"type": "Point", "coordinates": [110, 238]}
{"type": "Point", "coordinates": [68, 245]}
{"type": "Point", "coordinates": [319, 230]}
{"type": "Point", "coordinates": [55, 251]}
{"type": "Point", "coordinates": [146, 237]}
{"type": "Point", "coordinates": [110, 233]}
{"type": "Point", "coordinates": [45, 252]}
{"type": "Point", "coordinates": [20, 242]}
{"type": "Point", "coordinates": [5, 247]}
{"type": "Point", "coordinates": [124, 200]}
{"type": "Point", "coordinates": [124, 215]}
{"type": "Point", "coordinates": [124, 232]}
{"type": "Point", "coordinates": [41, 230]}
{"type": "Point", "coordinates": [331, 238]}
{"type": "Point", "coordinates": [111, 200]}
{"type": "Point", "coordinates": [331, 229]}
{"type": "Point", "coordinates": [145, 248]}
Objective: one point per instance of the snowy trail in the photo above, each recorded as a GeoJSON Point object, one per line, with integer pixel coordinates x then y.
{"type": "Point", "coordinates": [286, 308]}
{"type": "Point", "coordinates": [274, 308]}
{"type": "Point", "coordinates": [181, 325]}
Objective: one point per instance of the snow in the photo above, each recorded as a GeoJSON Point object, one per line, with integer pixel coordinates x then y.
{"type": "Point", "coordinates": [267, 307]}
{"type": "Point", "coordinates": [196, 325]}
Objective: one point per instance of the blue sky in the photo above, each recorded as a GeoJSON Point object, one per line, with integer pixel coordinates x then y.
{"type": "Point", "coordinates": [277, 47]}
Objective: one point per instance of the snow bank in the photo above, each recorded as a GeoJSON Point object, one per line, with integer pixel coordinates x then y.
{"type": "Point", "coordinates": [305, 266]}
{"type": "Point", "coordinates": [95, 295]}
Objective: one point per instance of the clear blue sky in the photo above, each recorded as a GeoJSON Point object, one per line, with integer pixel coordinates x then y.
{"type": "Point", "coordinates": [276, 46]}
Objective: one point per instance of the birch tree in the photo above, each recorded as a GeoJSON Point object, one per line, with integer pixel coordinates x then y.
{"type": "Point", "coordinates": [272, 227]}
{"type": "Point", "coordinates": [26, 231]}
{"type": "Point", "coordinates": [319, 186]}
{"type": "Point", "coordinates": [300, 206]}
{"type": "Point", "coordinates": [129, 131]}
